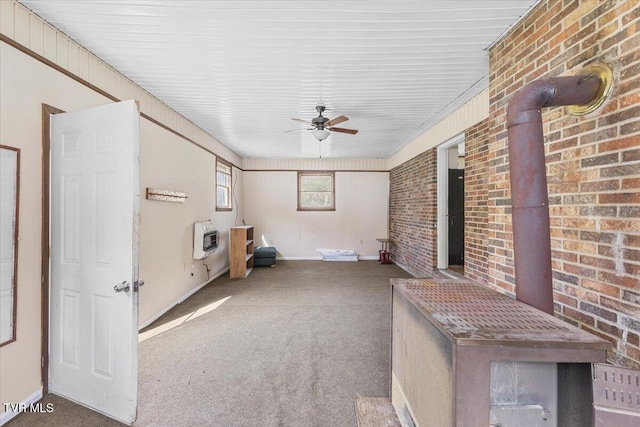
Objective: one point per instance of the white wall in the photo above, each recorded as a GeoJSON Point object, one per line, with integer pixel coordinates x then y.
{"type": "Point", "coordinates": [361, 215]}
{"type": "Point", "coordinates": [473, 111]}
{"type": "Point", "coordinates": [166, 230]}
{"type": "Point", "coordinates": [168, 161]}
{"type": "Point", "coordinates": [20, 127]}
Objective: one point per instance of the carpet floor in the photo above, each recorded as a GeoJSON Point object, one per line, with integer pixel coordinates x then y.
{"type": "Point", "coordinates": [293, 345]}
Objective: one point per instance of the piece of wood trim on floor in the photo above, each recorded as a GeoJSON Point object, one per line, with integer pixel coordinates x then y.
{"type": "Point", "coordinates": [376, 412]}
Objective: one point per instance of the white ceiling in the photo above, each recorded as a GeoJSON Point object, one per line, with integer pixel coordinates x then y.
{"type": "Point", "coordinates": [242, 69]}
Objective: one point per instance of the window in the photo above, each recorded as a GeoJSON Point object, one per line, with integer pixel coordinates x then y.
{"type": "Point", "coordinates": [316, 191]}
{"type": "Point", "coordinates": [223, 186]}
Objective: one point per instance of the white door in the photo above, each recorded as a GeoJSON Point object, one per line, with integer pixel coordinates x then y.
{"type": "Point", "coordinates": [93, 340]}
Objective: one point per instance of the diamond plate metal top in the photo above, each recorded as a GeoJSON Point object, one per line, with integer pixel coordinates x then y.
{"type": "Point", "coordinates": [473, 314]}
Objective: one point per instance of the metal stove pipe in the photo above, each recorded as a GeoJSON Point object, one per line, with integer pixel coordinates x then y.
{"type": "Point", "coordinates": [529, 198]}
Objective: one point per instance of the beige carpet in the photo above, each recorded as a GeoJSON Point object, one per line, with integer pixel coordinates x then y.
{"type": "Point", "coordinates": [293, 345]}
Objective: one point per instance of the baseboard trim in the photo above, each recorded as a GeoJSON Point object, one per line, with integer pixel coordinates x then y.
{"type": "Point", "coordinates": [181, 299]}
{"type": "Point", "coordinates": [319, 258]}
{"type": "Point", "coordinates": [5, 417]}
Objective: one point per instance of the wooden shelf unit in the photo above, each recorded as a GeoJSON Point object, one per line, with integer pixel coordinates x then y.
{"type": "Point", "coordinates": [241, 251]}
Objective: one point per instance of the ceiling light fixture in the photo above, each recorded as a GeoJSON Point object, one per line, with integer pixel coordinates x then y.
{"type": "Point", "coordinates": [321, 134]}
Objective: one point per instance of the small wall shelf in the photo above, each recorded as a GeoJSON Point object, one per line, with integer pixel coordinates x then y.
{"type": "Point", "coordinates": [166, 195]}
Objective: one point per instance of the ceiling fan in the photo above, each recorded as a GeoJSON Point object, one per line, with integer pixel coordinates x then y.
{"type": "Point", "coordinates": [322, 127]}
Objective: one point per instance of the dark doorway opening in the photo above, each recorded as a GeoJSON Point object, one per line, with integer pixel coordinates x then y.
{"type": "Point", "coordinates": [456, 216]}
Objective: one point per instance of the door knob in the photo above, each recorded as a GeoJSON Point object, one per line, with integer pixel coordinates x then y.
{"type": "Point", "coordinates": [124, 286]}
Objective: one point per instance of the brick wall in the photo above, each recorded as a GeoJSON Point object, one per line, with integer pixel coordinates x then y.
{"type": "Point", "coordinates": [593, 166]}
{"type": "Point", "coordinates": [593, 169]}
{"type": "Point", "coordinates": [412, 214]}
{"type": "Point", "coordinates": [475, 201]}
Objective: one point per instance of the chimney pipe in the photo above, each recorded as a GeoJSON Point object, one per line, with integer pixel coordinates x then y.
{"type": "Point", "coordinates": [529, 198]}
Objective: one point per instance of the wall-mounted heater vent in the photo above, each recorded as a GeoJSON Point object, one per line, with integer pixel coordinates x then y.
{"type": "Point", "coordinates": [205, 239]}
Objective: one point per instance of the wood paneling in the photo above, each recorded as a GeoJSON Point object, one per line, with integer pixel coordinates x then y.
{"type": "Point", "coordinates": [26, 31]}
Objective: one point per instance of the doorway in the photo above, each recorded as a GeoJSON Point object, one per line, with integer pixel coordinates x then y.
{"type": "Point", "coordinates": [450, 222]}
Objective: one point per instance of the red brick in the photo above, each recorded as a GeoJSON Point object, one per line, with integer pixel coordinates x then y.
{"type": "Point", "coordinates": [599, 186]}
{"type": "Point", "coordinates": [619, 198]}
{"type": "Point", "coordinates": [619, 170]}
{"type": "Point", "coordinates": [610, 329]}
{"type": "Point", "coordinates": [603, 288]}
{"type": "Point", "coordinates": [620, 116]}
{"type": "Point", "coordinates": [630, 99]}
{"type": "Point", "coordinates": [618, 144]}
{"type": "Point", "coordinates": [578, 316]}
{"type": "Point", "coordinates": [606, 159]}
{"type": "Point", "coordinates": [630, 211]}
{"type": "Point", "coordinates": [630, 183]}
{"type": "Point", "coordinates": [629, 156]}
{"type": "Point", "coordinates": [621, 280]}
{"type": "Point", "coordinates": [620, 307]}
{"type": "Point", "coordinates": [629, 225]}
{"type": "Point", "coordinates": [565, 299]}
{"type": "Point", "coordinates": [632, 297]}
{"type": "Point", "coordinates": [581, 294]}
{"type": "Point", "coordinates": [599, 311]}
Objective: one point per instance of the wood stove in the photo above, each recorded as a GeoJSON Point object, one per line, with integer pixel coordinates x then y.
{"type": "Point", "coordinates": [465, 355]}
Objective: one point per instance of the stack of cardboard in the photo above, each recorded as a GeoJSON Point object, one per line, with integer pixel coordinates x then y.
{"type": "Point", "coordinates": [338, 255]}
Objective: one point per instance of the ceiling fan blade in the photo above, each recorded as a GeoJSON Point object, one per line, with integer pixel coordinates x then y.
{"type": "Point", "coordinates": [337, 120]}
{"type": "Point", "coordinates": [297, 130]}
{"type": "Point", "coordinates": [343, 130]}
{"type": "Point", "coordinates": [303, 121]}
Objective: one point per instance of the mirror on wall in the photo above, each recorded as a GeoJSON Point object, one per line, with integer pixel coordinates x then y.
{"type": "Point", "coordinates": [9, 191]}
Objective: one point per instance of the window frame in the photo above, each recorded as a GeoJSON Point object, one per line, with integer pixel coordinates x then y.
{"type": "Point", "coordinates": [331, 208]}
{"type": "Point", "coordinates": [225, 163]}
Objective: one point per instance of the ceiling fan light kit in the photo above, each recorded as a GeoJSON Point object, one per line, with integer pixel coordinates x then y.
{"type": "Point", "coordinates": [322, 126]}
{"type": "Point", "coordinates": [321, 134]}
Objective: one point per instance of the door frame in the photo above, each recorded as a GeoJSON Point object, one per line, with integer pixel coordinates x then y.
{"type": "Point", "coordinates": [442, 225]}
{"type": "Point", "coordinates": [47, 112]}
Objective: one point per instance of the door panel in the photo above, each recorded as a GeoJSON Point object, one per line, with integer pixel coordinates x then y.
{"type": "Point", "coordinates": [69, 329]}
{"type": "Point", "coordinates": [94, 213]}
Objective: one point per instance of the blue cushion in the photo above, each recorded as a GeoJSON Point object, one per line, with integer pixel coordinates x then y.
{"type": "Point", "coordinates": [264, 252]}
